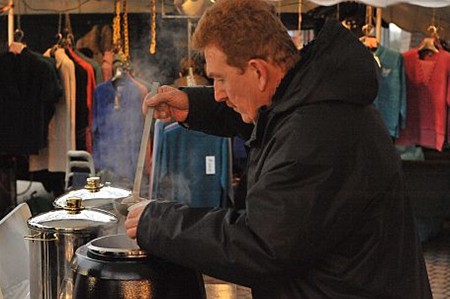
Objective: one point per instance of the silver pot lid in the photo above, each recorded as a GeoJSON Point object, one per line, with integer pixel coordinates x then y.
{"type": "Point", "coordinates": [72, 218]}
{"type": "Point", "coordinates": [116, 246]}
{"type": "Point", "coordinates": [94, 194]}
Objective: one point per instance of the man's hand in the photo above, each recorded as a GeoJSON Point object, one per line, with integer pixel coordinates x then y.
{"type": "Point", "coordinates": [170, 104]}
{"type": "Point", "coordinates": [134, 214]}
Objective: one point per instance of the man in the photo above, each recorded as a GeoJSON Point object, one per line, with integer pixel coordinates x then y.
{"type": "Point", "coordinates": [325, 213]}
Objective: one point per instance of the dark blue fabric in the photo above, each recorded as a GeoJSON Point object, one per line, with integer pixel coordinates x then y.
{"type": "Point", "coordinates": [180, 166]}
{"type": "Point", "coordinates": [117, 131]}
{"type": "Point", "coordinates": [391, 98]}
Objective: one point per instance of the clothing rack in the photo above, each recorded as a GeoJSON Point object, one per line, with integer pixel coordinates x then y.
{"type": "Point", "coordinates": [8, 189]}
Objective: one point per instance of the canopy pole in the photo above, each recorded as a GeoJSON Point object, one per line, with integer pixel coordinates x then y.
{"type": "Point", "coordinates": [299, 40]}
{"type": "Point", "coordinates": [378, 24]}
{"type": "Point", "coordinates": [10, 22]}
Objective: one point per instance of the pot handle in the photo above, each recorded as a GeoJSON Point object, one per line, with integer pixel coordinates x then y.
{"type": "Point", "coordinates": [38, 237]}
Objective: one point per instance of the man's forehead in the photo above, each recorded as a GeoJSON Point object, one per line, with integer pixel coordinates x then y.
{"type": "Point", "coordinates": [215, 60]}
{"type": "Point", "coordinates": [212, 73]}
{"type": "Point", "coordinates": [213, 53]}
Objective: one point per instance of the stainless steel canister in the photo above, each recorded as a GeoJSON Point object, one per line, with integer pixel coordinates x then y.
{"type": "Point", "coordinates": [54, 238]}
{"type": "Point", "coordinates": [95, 195]}
{"type": "Point", "coordinates": [98, 195]}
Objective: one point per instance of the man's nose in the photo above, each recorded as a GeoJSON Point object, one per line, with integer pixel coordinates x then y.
{"type": "Point", "coordinates": [219, 94]}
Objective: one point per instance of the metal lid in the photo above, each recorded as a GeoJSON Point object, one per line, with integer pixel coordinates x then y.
{"type": "Point", "coordinates": [94, 194]}
{"type": "Point", "coordinates": [72, 218]}
{"type": "Point", "coordinates": [116, 246]}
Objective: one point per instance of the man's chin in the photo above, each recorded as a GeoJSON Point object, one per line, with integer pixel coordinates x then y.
{"type": "Point", "coordinates": [246, 119]}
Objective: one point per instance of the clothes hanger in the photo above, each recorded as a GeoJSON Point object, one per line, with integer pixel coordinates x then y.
{"type": "Point", "coordinates": [368, 39]}
{"type": "Point", "coordinates": [121, 73]}
{"type": "Point", "coordinates": [370, 42]}
{"type": "Point", "coordinates": [118, 71]}
{"type": "Point", "coordinates": [58, 37]}
{"type": "Point", "coordinates": [430, 45]}
{"type": "Point", "coordinates": [347, 24]}
{"type": "Point", "coordinates": [17, 45]}
{"type": "Point", "coordinates": [66, 39]}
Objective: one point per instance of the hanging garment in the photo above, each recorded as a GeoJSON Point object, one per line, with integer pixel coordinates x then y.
{"type": "Point", "coordinates": [61, 137]}
{"type": "Point", "coordinates": [143, 88]}
{"type": "Point", "coordinates": [81, 110]}
{"type": "Point", "coordinates": [191, 167]}
{"type": "Point", "coordinates": [91, 41]}
{"type": "Point", "coordinates": [117, 127]}
{"type": "Point", "coordinates": [95, 65]}
{"type": "Point", "coordinates": [84, 114]}
{"type": "Point", "coordinates": [428, 96]}
{"type": "Point", "coordinates": [391, 98]}
{"type": "Point", "coordinates": [107, 65]}
{"type": "Point", "coordinates": [29, 91]}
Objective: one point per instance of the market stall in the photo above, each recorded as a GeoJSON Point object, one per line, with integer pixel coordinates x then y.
{"type": "Point", "coordinates": [146, 55]}
{"type": "Point", "coordinates": [412, 15]}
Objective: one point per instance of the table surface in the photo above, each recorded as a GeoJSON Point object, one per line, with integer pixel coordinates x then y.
{"type": "Point", "coordinates": [218, 289]}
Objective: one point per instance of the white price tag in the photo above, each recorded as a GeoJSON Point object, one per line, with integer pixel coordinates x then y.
{"type": "Point", "coordinates": [210, 165]}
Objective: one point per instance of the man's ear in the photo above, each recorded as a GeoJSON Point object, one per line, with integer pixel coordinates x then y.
{"type": "Point", "coordinates": [259, 67]}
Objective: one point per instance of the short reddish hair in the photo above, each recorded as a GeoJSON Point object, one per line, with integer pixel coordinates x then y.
{"type": "Point", "coordinates": [243, 30]}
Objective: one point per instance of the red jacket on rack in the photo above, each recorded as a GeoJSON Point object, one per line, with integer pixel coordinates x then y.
{"type": "Point", "coordinates": [428, 97]}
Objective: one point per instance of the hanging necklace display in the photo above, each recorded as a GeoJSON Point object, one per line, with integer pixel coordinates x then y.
{"type": "Point", "coordinates": [121, 48]}
{"type": "Point", "coordinates": [126, 42]}
{"type": "Point", "coordinates": [153, 29]}
{"type": "Point", "coordinates": [121, 45]}
{"type": "Point", "coordinates": [116, 27]}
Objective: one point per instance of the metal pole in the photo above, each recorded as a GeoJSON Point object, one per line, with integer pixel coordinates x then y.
{"type": "Point", "coordinates": [189, 34]}
{"type": "Point", "coordinates": [10, 22]}
{"type": "Point", "coordinates": [378, 24]}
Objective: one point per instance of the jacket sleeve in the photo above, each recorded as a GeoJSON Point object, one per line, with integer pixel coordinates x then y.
{"type": "Point", "coordinates": [247, 247]}
{"type": "Point", "coordinates": [211, 117]}
{"type": "Point", "coordinates": [293, 208]}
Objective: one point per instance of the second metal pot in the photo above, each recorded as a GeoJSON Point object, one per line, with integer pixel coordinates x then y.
{"type": "Point", "coordinates": [95, 195]}
{"type": "Point", "coordinates": [55, 236]}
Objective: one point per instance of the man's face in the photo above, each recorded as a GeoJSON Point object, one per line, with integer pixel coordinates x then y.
{"type": "Point", "coordinates": [239, 90]}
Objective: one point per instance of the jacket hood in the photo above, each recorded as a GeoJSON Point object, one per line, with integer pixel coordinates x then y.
{"type": "Point", "coordinates": [336, 66]}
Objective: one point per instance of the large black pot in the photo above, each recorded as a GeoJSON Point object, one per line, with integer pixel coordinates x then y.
{"type": "Point", "coordinates": [114, 267]}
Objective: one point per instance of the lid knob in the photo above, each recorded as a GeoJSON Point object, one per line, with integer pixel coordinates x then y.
{"type": "Point", "coordinates": [73, 204]}
{"type": "Point", "coordinates": [93, 184]}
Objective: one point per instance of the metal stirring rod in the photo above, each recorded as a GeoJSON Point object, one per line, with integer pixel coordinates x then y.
{"type": "Point", "coordinates": [143, 148]}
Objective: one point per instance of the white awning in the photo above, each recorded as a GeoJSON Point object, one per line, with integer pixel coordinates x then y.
{"type": "Point", "coordinates": [386, 3]}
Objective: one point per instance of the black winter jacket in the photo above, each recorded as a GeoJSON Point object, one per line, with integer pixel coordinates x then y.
{"type": "Point", "coordinates": [326, 214]}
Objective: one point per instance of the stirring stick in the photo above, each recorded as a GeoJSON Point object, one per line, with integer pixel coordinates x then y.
{"type": "Point", "coordinates": [143, 149]}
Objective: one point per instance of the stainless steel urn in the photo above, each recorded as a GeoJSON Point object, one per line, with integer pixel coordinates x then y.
{"type": "Point", "coordinates": [95, 195]}
{"type": "Point", "coordinates": [54, 238]}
